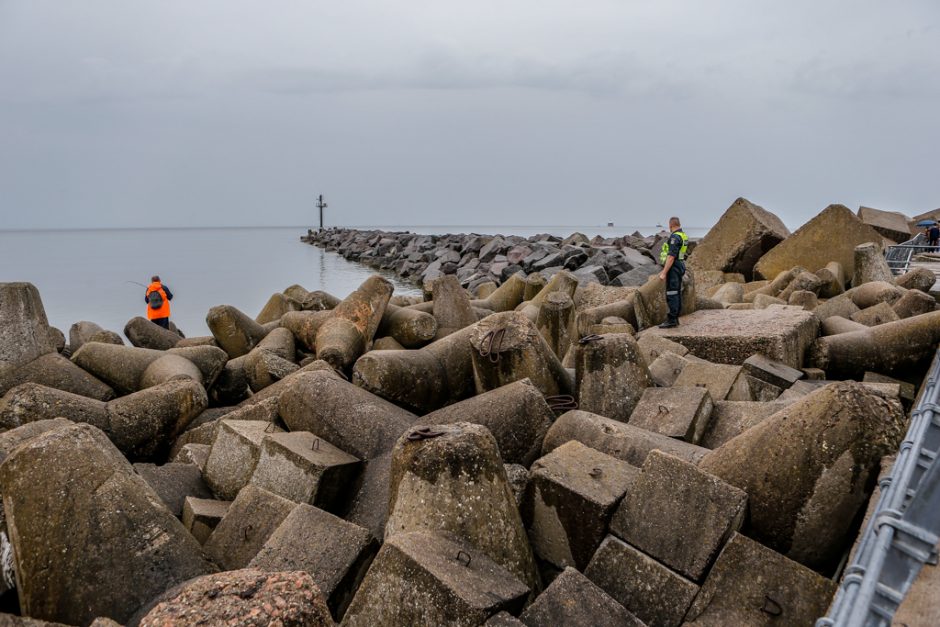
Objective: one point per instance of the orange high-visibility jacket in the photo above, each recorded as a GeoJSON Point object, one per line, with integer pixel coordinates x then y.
{"type": "Point", "coordinates": [164, 311]}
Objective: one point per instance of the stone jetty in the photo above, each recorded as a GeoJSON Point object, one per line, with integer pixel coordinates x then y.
{"type": "Point", "coordinates": [519, 445]}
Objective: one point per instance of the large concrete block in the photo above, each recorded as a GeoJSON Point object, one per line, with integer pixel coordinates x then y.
{"type": "Point", "coordinates": [173, 483]}
{"type": "Point", "coordinates": [723, 381]}
{"type": "Point", "coordinates": [732, 418]}
{"type": "Point", "coordinates": [813, 244]}
{"type": "Point", "coordinates": [426, 578]}
{"type": "Point", "coordinates": [652, 592]}
{"type": "Point", "coordinates": [653, 345]}
{"type": "Point", "coordinates": [77, 555]}
{"type": "Point", "coordinates": [666, 369]}
{"type": "Point", "coordinates": [573, 600]}
{"type": "Point", "coordinates": [234, 455]}
{"type": "Point", "coordinates": [336, 553]}
{"type": "Point", "coordinates": [740, 237]}
{"type": "Point", "coordinates": [304, 468]}
{"type": "Point", "coordinates": [870, 264]}
{"type": "Point", "coordinates": [235, 332]}
{"type": "Point", "coordinates": [611, 375]}
{"type": "Point", "coordinates": [770, 371]}
{"type": "Point", "coordinates": [349, 331]}
{"type": "Point", "coordinates": [875, 315]}
{"type": "Point", "coordinates": [55, 371]}
{"type": "Point", "coordinates": [751, 584]}
{"type": "Point", "coordinates": [248, 523]}
{"type": "Point", "coordinates": [731, 336]}
{"type": "Point", "coordinates": [892, 224]}
{"type": "Point", "coordinates": [679, 514]}
{"type": "Point", "coordinates": [201, 516]}
{"type": "Point", "coordinates": [623, 441]}
{"type": "Point", "coordinates": [571, 494]}
{"type": "Point", "coordinates": [24, 328]}
{"type": "Point", "coordinates": [679, 412]}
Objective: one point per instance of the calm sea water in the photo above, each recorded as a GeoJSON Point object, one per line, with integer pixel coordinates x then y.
{"type": "Point", "coordinates": [91, 274]}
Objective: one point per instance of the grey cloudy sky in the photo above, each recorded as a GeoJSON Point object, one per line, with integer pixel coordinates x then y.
{"type": "Point", "coordinates": [201, 113]}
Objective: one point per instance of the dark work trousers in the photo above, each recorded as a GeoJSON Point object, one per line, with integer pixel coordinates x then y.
{"type": "Point", "coordinates": [674, 289]}
{"type": "Point", "coordinates": [163, 322]}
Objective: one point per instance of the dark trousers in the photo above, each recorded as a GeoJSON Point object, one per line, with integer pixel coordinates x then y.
{"type": "Point", "coordinates": [163, 322]}
{"type": "Point", "coordinates": [674, 289]}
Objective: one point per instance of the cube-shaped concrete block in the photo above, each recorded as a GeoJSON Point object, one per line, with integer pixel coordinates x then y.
{"type": "Point", "coordinates": [723, 382]}
{"type": "Point", "coordinates": [679, 412]}
{"type": "Point", "coordinates": [574, 600]}
{"type": "Point", "coordinates": [653, 346]}
{"type": "Point", "coordinates": [750, 584]}
{"type": "Point", "coordinates": [732, 418]}
{"type": "Point", "coordinates": [336, 553]}
{"type": "Point", "coordinates": [771, 371]}
{"type": "Point", "coordinates": [800, 389]}
{"type": "Point", "coordinates": [246, 526]}
{"type": "Point", "coordinates": [422, 578]}
{"type": "Point", "coordinates": [201, 516]}
{"type": "Point", "coordinates": [652, 592]}
{"type": "Point", "coordinates": [760, 390]}
{"type": "Point", "coordinates": [679, 514]}
{"type": "Point", "coordinates": [234, 454]}
{"type": "Point", "coordinates": [907, 390]}
{"type": "Point", "coordinates": [571, 495]}
{"type": "Point", "coordinates": [666, 368]}
{"type": "Point", "coordinates": [195, 454]}
{"type": "Point", "coordinates": [304, 468]}
{"type": "Point", "coordinates": [174, 482]}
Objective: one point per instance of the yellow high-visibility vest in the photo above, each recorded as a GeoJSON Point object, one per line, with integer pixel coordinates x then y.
{"type": "Point", "coordinates": [682, 251]}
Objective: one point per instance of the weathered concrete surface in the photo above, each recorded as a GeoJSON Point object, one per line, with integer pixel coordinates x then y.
{"type": "Point", "coordinates": [128, 369]}
{"type": "Point", "coordinates": [650, 591]}
{"type": "Point", "coordinates": [201, 516]}
{"type": "Point", "coordinates": [732, 418]}
{"type": "Point", "coordinates": [653, 345]}
{"type": "Point", "coordinates": [875, 315]}
{"type": "Point", "coordinates": [411, 328]}
{"type": "Point", "coordinates": [628, 443]}
{"type": "Point", "coordinates": [24, 328]}
{"type": "Point", "coordinates": [874, 292]}
{"type": "Point", "coordinates": [248, 523]}
{"type": "Point", "coordinates": [841, 305]}
{"type": "Point", "coordinates": [234, 454]}
{"type": "Point", "coordinates": [428, 579]}
{"type": "Point", "coordinates": [742, 235]}
{"type": "Point", "coordinates": [174, 483]}
{"type": "Point", "coordinates": [905, 346]}
{"type": "Point", "coordinates": [666, 368]}
{"type": "Point", "coordinates": [55, 371]}
{"type": "Point", "coordinates": [571, 495]}
{"type": "Point", "coordinates": [574, 600]}
{"type": "Point", "coordinates": [554, 322]}
{"type": "Point", "coordinates": [611, 375]}
{"type": "Point", "coordinates": [808, 468]}
{"type": "Point", "coordinates": [305, 325]}
{"type": "Point", "coordinates": [834, 325]}
{"type": "Point", "coordinates": [278, 305]}
{"type": "Point", "coordinates": [145, 334]}
{"type": "Point", "coordinates": [891, 224]}
{"type": "Point", "coordinates": [679, 412]}
{"type": "Point", "coordinates": [235, 332]}
{"type": "Point", "coordinates": [451, 306]}
{"type": "Point", "coordinates": [455, 483]}
{"type": "Point", "coordinates": [80, 332]}
{"type": "Point", "coordinates": [833, 280]}
{"type": "Point", "coordinates": [334, 552]}
{"type": "Point", "coordinates": [770, 371]}
{"type": "Point", "coordinates": [805, 299]}
{"type": "Point", "coordinates": [813, 244]}
{"type": "Point", "coordinates": [870, 265]}
{"type": "Point", "coordinates": [679, 514]}
{"type": "Point", "coordinates": [723, 381]}
{"type": "Point", "coordinates": [244, 597]}
{"type": "Point", "coordinates": [913, 303]}
{"type": "Point", "coordinates": [352, 419]}
{"type": "Point", "coordinates": [516, 414]}
{"type": "Point", "coordinates": [348, 333]}
{"type": "Point", "coordinates": [750, 584]}
{"type": "Point", "coordinates": [76, 555]}
{"type": "Point", "coordinates": [730, 337]}
{"type": "Point", "coordinates": [917, 279]}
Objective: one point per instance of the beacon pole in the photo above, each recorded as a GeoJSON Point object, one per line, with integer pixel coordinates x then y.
{"type": "Point", "coordinates": [321, 206]}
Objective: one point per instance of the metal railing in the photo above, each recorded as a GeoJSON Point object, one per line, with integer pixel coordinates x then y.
{"type": "Point", "coordinates": [899, 256]}
{"type": "Point", "coordinates": [903, 531]}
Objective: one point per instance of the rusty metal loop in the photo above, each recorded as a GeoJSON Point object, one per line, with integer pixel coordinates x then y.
{"type": "Point", "coordinates": [590, 338]}
{"type": "Point", "coordinates": [271, 427]}
{"type": "Point", "coordinates": [596, 472]}
{"type": "Point", "coordinates": [248, 529]}
{"type": "Point", "coordinates": [424, 433]}
{"type": "Point", "coordinates": [465, 554]}
{"type": "Point", "coordinates": [561, 402]}
{"type": "Point", "coordinates": [315, 445]}
{"type": "Point", "coordinates": [341, 373]}
{"type": "Point", "coordinates": [487, 348]}
{"type": "Point", "coordinates": [771, 607]}
{"type": "Point", "coordinates": [663, 410]}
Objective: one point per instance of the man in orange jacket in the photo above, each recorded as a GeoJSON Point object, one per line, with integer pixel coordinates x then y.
{"type": "Point", "coordinates": [158, 297]}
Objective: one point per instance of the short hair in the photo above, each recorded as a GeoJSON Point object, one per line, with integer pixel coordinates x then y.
{"type": "Point", "coordinates": [674, 220]}
{"type": "Point", "coordinates": [155, 278]}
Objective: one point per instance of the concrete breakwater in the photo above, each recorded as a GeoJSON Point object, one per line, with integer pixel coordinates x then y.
{"type": "Point", "coordinates": [534, 453]}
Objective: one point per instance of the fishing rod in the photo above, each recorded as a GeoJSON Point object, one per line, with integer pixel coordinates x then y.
{"type": "Point", "coordinates": [136, 283]}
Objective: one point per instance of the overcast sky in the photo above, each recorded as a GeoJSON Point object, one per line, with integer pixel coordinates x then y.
{"type": "Point", "coordinates": [203, 113]}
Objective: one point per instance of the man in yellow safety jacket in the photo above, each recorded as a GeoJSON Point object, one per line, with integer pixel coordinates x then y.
{"type": "Point", "coordinates": [672, 257]}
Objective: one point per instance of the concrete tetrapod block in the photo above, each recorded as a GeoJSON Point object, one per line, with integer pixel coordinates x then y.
{"type": "Point", "coordinates": [347, 416]}
{"type": "Point", "coordinates": [666, 368]}
{"type": "Point", "coordinates": [741, 236]}
{"type": "Point", "coordinates": [235, 331]}
{"type": "Point", "coordinates": [248, 523]}
{"type": "Point", "coordinates": [450, 479]}
{"type": "Point", "coordinates": [264, 368]}
{"type": "Point", "coordinates": [841, 306]}
{"type": "Point", "coordinates": [451, 306]}
{"type": "Point", "coordinates": [652, 592]}
{"type": "Point", "coordinates": [833, 325]}
{"type": "Point", "coordinates": [652, 346]}
{"type": "Point", "coordinates": [369, 506]}
{"type": "Point", "coordinates": [731, 418]}
{"type": "Point", "coordinates": [76, 555]}
{"type": "Point", "coordinates": [421, 380]}
{"type": "Point", "coordinates": [174, 483]}
{"type": "Point", "coordinates": [273, 391]}
{"type": "Point", "coordinates": [12, 438]}
{"type": "Point", "coordinates": [571, 495]}
{"type": "Point", "coordinates": [80, 332]}
{"type": "Point", "coordinates": [30, 402]}
{"type": "Point", "coordinates": [143, 333]}
{"type": "Point", "coordinates": [874, 292]}
{"type": "Point", "coordinates": [424, 578]}
{"type": "Point", "coordinates": [554, 322]}
{"type": "Point", "coordinates": [201, 516]}
{"type": "Point", "coordinates": [813, 244]}
{"type": "Point", "coordinates": [723, 382]}
{"type": "Point", "coordinates": [55, 371]}
{"type": "Point", "coordinates": [507, 296]}
{"type": "Point", "coordinates": [278, 305]}
{"type": "Point", "coordinates": [770, 371]}
{"type": "Point", "coordinates": [349, 331]}
{"type": "Point", "coordinates": [506, 347]}
{"type": "Point", "coordinates": [611, 375]}
{"type": "Point", "coordinates": [24, 328]}
{"type": "Point", "coordinates": [875, 315]}
{"type": "Point", "coordinates": [921, 279]}
{"type": "Point", "coordinates": [914, 303]}
{"type": "Point", "coordinates": [411, 328]}
{"type": "Point", "coordinates": [751, 584]}
{"type": "Point", "coordinates": [679, 412]}
{"type": "Point", "coordinates": [731, 336]}
{"type": "Point", "coordinates": [896, 348]}
{"type": "Point", "coordinates": [804, 281]}
{"type": "Point", "coordinates": [305, 325]}
{"type": "Point", "coordinates": [623, 441]}
{"type": "Point", "coordinates": [246, 597]}
{"type": "Point", "coordinates": [516, 414]}
{"type": "Point", "coordinates": [679, 514]}
{"type": "Point", "coordinates": [870, 265]}
{"type": "Point", "coordinates": [304, 468]}
{"type": "Point", "coordinates": [833, 280]}
{"type": "Point", "coordinates": [234, 454]}
{"type": "Point", "coordinates": [808, 468]}
{"type": "Point", "coordinates": [334, 552]}
{"type": "Point", "coordinates": [574, 600]}
{"type": "Point", "coordinates": [563, 282]}
{"type": "Point", "coordinates": [128, 369]}
{"type": "Point", "coordinates": [210, 360]}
